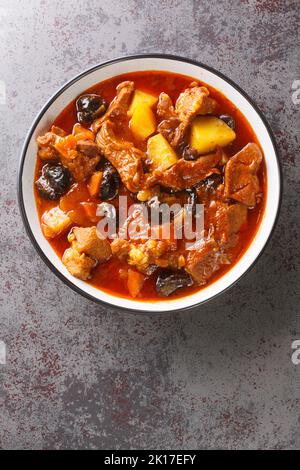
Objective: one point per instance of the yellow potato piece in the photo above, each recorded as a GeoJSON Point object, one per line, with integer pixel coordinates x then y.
{"type": "Point", "coordinates": [160, 152]}
{"type": "Point", "coordinates": [207, 132]}
{"type": "Point", "coordinates": [141, 97]}
{"type": "Point", "coordinates": [54, 222]}
{"type": "Point", "coordinates": [142, 123]}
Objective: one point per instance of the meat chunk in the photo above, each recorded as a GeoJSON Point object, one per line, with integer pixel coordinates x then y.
{"type": "Point", "coordinates": [87, 240]}
{"type": "Point", "coordinates": [46, 151]}
{"type": "Point", "coordinates": [88, 147]}
{"type": "Point", "coordinates": [146, 256]}
{"type": "Point", "coordinates": [228, 221]}
{"type": "Point", "coordinates": [86, 251]}
{"type": "Point", "coordinates": [58, 131]}
{"type": "Point", "coordinates": [78, 264]}
{"type": "Point", "coordinates": [121, 248]}
{"type": "Point", "coordinates": [123, 155]}
{"type": "Point", "coordinates": [79, 156]}
{"type": "Point", "coordinates": [81, 166]}
{"type": "Point", "coordinates": [201, 263]}
{"type": "Point", "coordinates": [165, 108]}
{"type": "Point", "coordinates": [185, 174]}
{"type": "Point", "coordinates": [241, 181]}
{"type": "Point", "coordinates": [54, 222]}
{"type": "Point", "coordinates": [118, 108]}
{"type": "Point", "coordinates": [193, 101]}
{"type": "Point", "coordinates": [46, 139]}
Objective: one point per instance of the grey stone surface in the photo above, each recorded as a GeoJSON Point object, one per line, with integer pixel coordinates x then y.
{"type": "Point", "coordinates": [79, 375]}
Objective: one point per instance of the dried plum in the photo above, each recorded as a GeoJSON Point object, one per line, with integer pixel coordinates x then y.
{"type": "Point", "coordinates": [228, 120]}
{"type": "Point", "coordinates": [89, 107]}
{"type": "Point", "coordinates": [110, 183]}
{"type": "Point", "coordinates": [54, 181]}
{"type": "Point", "coordinates": [190, 154]}
{"type": "Point", "coordinates": [168, 281]}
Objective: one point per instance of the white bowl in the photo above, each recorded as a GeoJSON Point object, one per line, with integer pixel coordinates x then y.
{"type": "Point", "coordinates": [132, 64]}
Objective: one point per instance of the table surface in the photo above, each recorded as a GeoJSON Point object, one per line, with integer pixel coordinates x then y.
{"type": "Point", "coordinates": [81, 375]}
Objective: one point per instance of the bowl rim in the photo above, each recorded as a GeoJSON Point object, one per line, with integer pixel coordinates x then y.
{"type": "Point", "coordinates": [59, 92]}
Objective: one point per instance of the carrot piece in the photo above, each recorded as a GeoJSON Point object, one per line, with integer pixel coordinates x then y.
{"type": "Point", "coordinates": [65, 144]}
{"type": "Point", "coordinates": [94, 183]}
{"type": "Point", "coordinates": [77, 194]}
{"type": "Point", "coordinates": [78, 216]}
{"type": "Point", "coordinates": [90, 209]}
{"type": "Point", "coordinates": [81, 133]}
{"type": "Point", "coordinates": [135, 282]}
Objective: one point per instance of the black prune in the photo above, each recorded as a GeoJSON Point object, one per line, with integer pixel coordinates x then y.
{"type": "Point", "coordinates": [168, 281]}
{"type": "Point", "coordinates": [89, 107]}
{"type": "Point", "coordinates": [190, 153]}
{"type": "Point", "coordinates": [228, 120]}
{"type": "Point", "coordinates": [110, 183]}
{"type": "Point", "coordinates": [54, 181]}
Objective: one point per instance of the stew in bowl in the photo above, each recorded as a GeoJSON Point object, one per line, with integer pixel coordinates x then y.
{"type": "Point", "coordinates": [150, 186]}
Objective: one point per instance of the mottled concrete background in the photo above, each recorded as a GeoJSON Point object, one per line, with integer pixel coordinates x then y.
{"type": "Point", "coordinates": [79, 375]}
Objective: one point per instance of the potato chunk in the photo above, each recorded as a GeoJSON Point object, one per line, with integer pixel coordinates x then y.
{"type": "Point", "coordinates": [207, 132]}
{"type": "Point", "coordinates": [54, 222]}
{"type": "Point", "coordinates": [141, 97]}
{"type": "Point", "coordinates": [142, 123]}
{"type": "Point", "coordinates": [160, 152]}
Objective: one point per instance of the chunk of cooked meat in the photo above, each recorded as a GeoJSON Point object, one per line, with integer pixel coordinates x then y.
{"type": "Point", "coordinates": [54, 222]}
{"type": "Point", "coordinates": [171, 129]}
{"type": "Point", "coordinates": [241, 180]}
{"type": "Point", "coordinates": [193, 101]}
{"type": "Point", "coordinates": [79, 156]}
{"type": "Point", "coordinates": [123, 155]}
{"type": "Point", "coordinates": [121, 248]}
{"type": "Point", "coordinates": [80, 165]}
{"type": "Point", "coordinates": [146, 256]}
{"type": "Point", "coordinates": [78, 264]}
{"type": "Point", "coordinates": [119, 106]}
{"type": "Point", "coordinates": [46, 139]}
{"type": "Point", "coordinates": [190, 103]}
{"type": "Point", "coordinates": [165, 108]}
{"type": "Point", "coordinates": [87, 240]}
{"type": "Point", "coordinates": [185, 174]}
{"type": "Point", "coordinates": [46, 151]}
{"type": "Point", "coordinates": [86, 251]}
{"type": "Point", "coordinates": [88, 147]}
{"type": "Point", "coordinates": [58, 131]}
{"type": "Point", "coordinates": [201, 263]}
{"type": "Point", "coordinates": [228, 220]}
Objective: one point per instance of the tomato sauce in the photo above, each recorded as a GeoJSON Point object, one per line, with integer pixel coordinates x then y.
{"type": "Point", "coordinates": [108, 277]}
